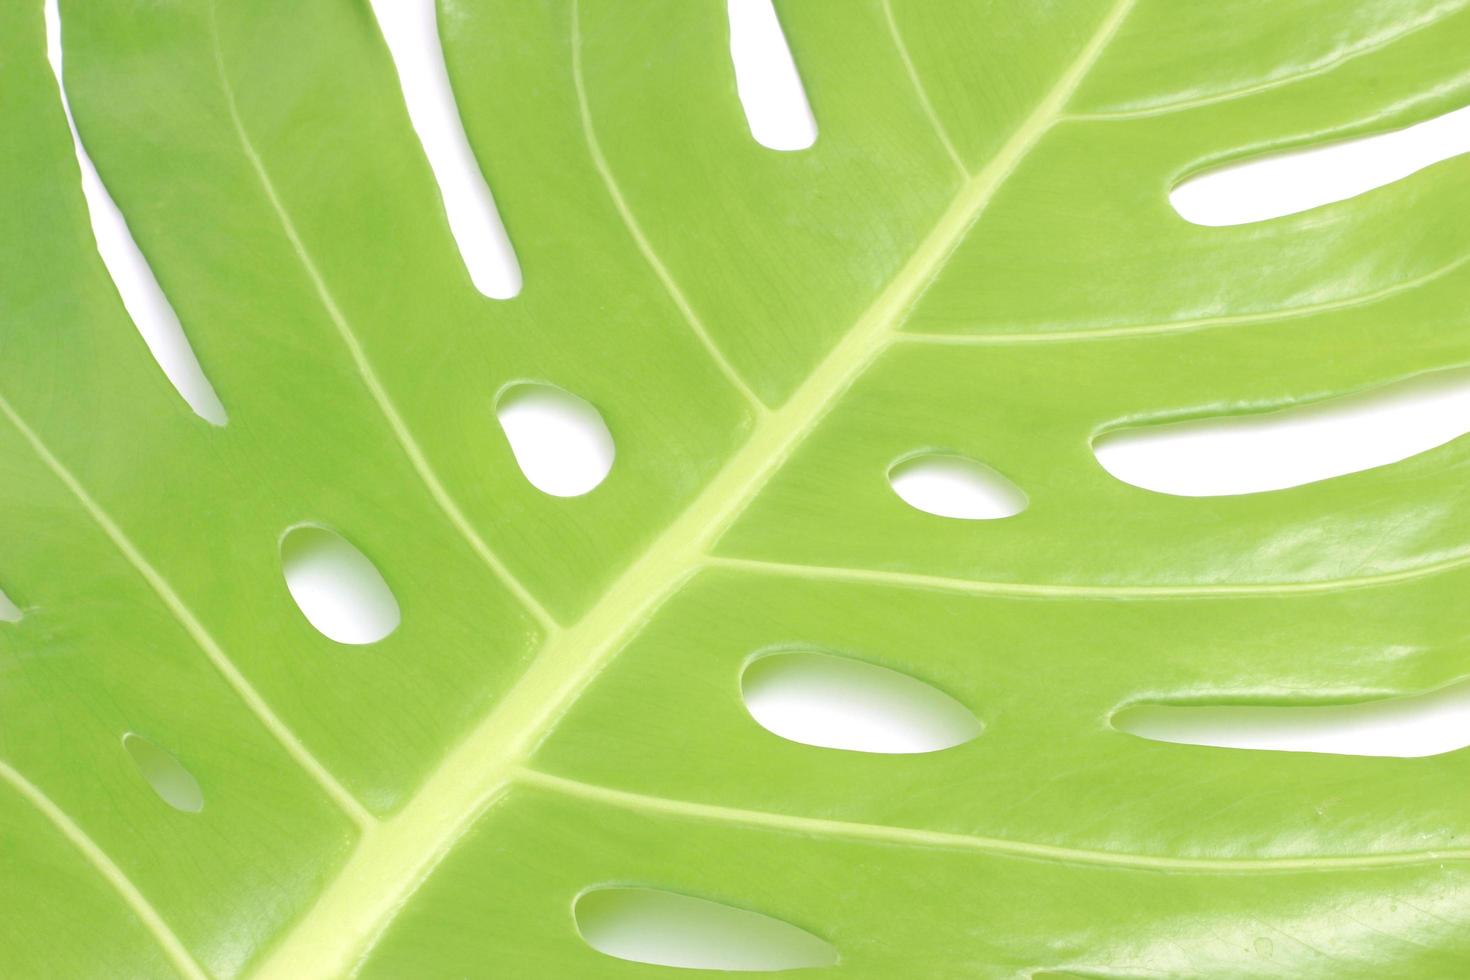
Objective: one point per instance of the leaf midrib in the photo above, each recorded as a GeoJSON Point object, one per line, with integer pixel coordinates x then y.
{"type": "Point", "coordinates": [394, 857]}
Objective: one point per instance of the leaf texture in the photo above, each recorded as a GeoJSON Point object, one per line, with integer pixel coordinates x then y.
{"type": "Point", "coordinates": [976, 257]}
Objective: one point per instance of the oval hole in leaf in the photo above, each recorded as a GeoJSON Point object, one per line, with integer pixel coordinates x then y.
{"type": "Point", "coordinates": [1288, 448]}
{"type": "Point", "coordinates": [662, 928]}
{"type": "Point", "coordinates": [1405, 727]}
{"type": "Point", "coordinates": [9, 611]}
{"type": "Point", "coordinates": [560, 442]}
{"type": "Point", "coordinates": [411, 30]}
{"type": "Point", "coordinates": [170, 780]}
{"type": "Point", "coordinates": [949, 485]}
{"type": "Point", "coordinates": [839, 703]}
{"type": "Point", "coordinates": [1286, 183]}
{"type": "Point", "coordinates": [336, 587]}
{"type": "Point", "coordinates": [138, 288]}
{"type": "Point", "coordinates": [766, 78]}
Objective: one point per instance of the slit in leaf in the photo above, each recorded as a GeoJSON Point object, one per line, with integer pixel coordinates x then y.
{"type": "Point", "coordinates": [1286, 183]}
{"type": "Point", "coordinates": [9, 611]}
{"type": "Point", "coordinates": [949, 485]}
{"type": "Point", "coordinates": [559, 441]}
{"type": "Point", "coordinates": [646, 925]}
{"type": "Point", "coordinates": [141, 294]}
{"type": "Point", "coordinates": [840, 703]}
{"type": "Point", "coordinates": [766, 78]}
{"type": "Point", "coordinates": [411, 31]}
{"type": "Point", "coordinates": [174, 784]}
{"type": "Point", "coordinates": [1264, 451]}
{"type": "Point", "coordinates": [336, 587]}
{"type": "Point", "coordinates": [1418, 725]}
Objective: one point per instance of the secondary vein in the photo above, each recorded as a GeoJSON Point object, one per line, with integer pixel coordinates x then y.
{"type": "Point", "coordinates": [148, 916]}
{"type": "Point", "coordinates": [401, 432]}
{"type": "Point", "coordinates": [915, 837]}
{"type": "Point", "coordinates": [935, 122]}
{"type": "Point", "coordinates": [1428, 19]}
{"type": "Point", "coordinates": [185, 617]}
{"type": "Point", "coordinates": [635, 230]}
{"type": "Point", "coordinates": [943, 583]}
{"type": "Point", "coordinates": [1080, 334]}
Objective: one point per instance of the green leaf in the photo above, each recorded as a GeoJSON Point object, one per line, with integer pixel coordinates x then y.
{"type": "Point", "coordinates": [976, 259]}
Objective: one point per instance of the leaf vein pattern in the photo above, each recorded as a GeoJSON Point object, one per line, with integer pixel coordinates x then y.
{"type": "Point", "coordinates": [635, 231]}
{"type": "Point", "coordinates": [405, 437]}
{"type": "Point", "coordinates": [394, 858]}
{"type": "Point", "coordinates": [923, 93]}
{"type": "Point", "coordinates": [190, 623]}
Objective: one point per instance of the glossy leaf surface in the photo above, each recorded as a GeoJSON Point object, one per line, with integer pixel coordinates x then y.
{"type": "Point", "coordinates": [977, 257]}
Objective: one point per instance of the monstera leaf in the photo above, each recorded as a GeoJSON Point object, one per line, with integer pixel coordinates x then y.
{"type": "Point", "coordinates": [976, 258]}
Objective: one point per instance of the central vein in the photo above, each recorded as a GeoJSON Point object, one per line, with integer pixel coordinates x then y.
{"type": "Point", "coordinates": [395, 856]}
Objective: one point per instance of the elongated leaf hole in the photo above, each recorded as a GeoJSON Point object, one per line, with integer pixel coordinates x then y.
{"type": "Point", "coordinates": [411, 31]}
{"type": "Point", "coordinates": [1286, 183]}
{"type": "Point", "coordinates": [170, 780]}
{"type": "Point", "coordinates": [770, 88]}
{"type": "Point", "coordinates": [1288, 448]}
{"type": "Point", "coordinates": [9, 611]}
{"type": "Point", "coordinates": [666, 929]}
{"type": "Point", "coordinates": [1425, 724]}
{"type": "Point", "coordinates": [336, 587]}
{"type": "Point", "coordinates": [559, 441]}
{"type": "Point", "coordinates": [141, 295]}
{"type": "Point", "coordinates": [947, 485]}
{"type": "Point", "coordinates": [840, 703]}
